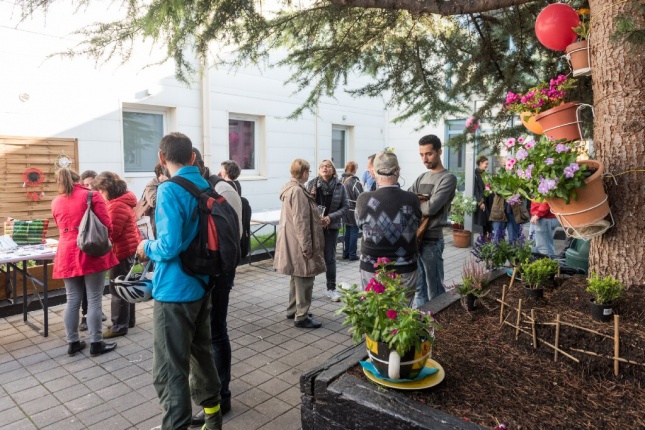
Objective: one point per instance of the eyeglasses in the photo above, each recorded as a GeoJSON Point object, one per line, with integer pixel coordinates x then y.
{"type": "Point", "coordinates": [325, 166]}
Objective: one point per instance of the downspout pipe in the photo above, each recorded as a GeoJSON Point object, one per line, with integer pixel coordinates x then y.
{"type": "Point", "coordinates": [205, 96]}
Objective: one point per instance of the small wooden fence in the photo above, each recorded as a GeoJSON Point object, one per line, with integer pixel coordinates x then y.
{"type": "Point", "coordinates": [528, 324]}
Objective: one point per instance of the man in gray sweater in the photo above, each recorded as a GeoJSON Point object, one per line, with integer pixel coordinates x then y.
{"type": "Point", "coordinates": [439, 186]}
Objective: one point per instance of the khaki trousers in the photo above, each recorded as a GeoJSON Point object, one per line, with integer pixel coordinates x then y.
{"type": "Point", "coordinates": [300, 291]}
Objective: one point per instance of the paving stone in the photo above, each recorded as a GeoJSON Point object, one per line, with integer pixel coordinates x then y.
{"type": "Point", "coordinates": [274, 386]}
{"type": "Point", "coordinates": [127, 401]}
{"type": "Point", "coordinates": [102, 381]}
{"type": "Point", "coordinates": [291, 396]}
{"type": "Point", "coordinates": [34, 392]}
{"type": "Point", "coordinates": [24, 424]}
{"type": "Point", "coordinates": [53, 415]}
{"type": "Point", "coordinates": [70, 393]}
{"type": "Point", "coordinates": [38, 404]}
{"type": "Point", "coordinates": [21, 384]}
{"type": "Point", "coordinates": [250, 419]}
{"type": "Point", "coordinates": [252, 398]}
{"type": "Point", "coordinates": [66, 424]}
{"type": "Point", "coordinates": [142, 412]}
{"type": "Point", "coordinates": [256, 377]}
{"type": "Point", "coordinates": [112, 423]}
{"type": "Point", "coordinates": [84, 403]}
{"type": "Point", "coordinates": [11, 415]}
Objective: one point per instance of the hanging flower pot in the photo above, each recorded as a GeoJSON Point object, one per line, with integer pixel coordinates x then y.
{"type": "Point", "coordinates": [561, 122]}
{"type": "Point", "coordinates": [528, 120]}
{"type": "Point", "coordinates": [591, 206]}
{"type": "Point", "coordinates": [579, 58]}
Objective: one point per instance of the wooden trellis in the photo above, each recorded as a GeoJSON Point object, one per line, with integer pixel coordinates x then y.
{"type": "Point", "coordinates": [17, 155]}
{"type": "Point", "coordinates": [522, 317]}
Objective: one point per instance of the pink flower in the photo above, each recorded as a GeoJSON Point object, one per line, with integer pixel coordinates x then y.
{"type": "Point", "coordinates": [510, 142]}
{"type": "Point", "coordinates": [375, 286]}
{"type": "Point", "coordinates": [472, 124]}
{"type": "Point", "coordinates": [487, 187]}
{"type": "Point", "coordinates": [530, 143]}
{"type": "Point", "coordinates": [391, 314]}
{"type": "Point", "coordinates": [395, 331]}
{"type": "Point", "coordinates": [383, 260]}
{"type": "Point", "coordinates": [510, 163]}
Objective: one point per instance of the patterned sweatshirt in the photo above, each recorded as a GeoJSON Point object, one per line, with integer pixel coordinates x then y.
{"type": "Point", "coordinates": [440, 187]}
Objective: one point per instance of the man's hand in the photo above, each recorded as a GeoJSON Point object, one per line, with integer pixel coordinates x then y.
{"type": "Point", "coordinates": [534, 219]}
{"type": "Point", "coordinates": [141, 251]}
{"type": "Point", "coordinates": [325, 222]}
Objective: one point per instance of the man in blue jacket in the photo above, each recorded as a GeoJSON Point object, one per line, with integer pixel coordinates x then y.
{"type": "Point", "coordinates": [182, 364]}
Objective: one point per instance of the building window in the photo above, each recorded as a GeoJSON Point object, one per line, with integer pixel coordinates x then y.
{"type": "Point", "coordinates": [339, 146]}
{"type": "Point", "coordinates": [455, 158]}
{"type": "Point", "coordinates": [142, 132]}
{"type": "Point", "coordinates": [243, 140]}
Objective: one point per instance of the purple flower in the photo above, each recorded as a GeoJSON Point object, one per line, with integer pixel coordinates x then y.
{"type": "Point", "coordinates": [546, 185]}
{"type": "Point", "coordinates": [548, 161]}
{"type": "Point", "coordinates": [571, 169]}
{"type": "Point", "coordinates": [574, 167]}
{"type": "Point", "coordinates": [522, 154]}
{"type": "Point", "coordinates": [520, 173]}
{"type": "Point", "coordinates": [530, 143]}
{"type": "Point", "coordinates": [561, 148]}
{"type": "Point", "coordinates": [513, 200]}
{"type": "Point", "coordinates": [527, 172]}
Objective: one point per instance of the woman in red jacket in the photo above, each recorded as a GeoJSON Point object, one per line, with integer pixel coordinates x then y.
{"type": "Point", "coordinates": [77, 269]}
{"type": "Point", "coordinates": [125, 238]}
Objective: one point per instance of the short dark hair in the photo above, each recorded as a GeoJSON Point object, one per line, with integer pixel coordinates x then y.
{"type": "Point", "coordinates": [430, 139]}
{"type": "Point", "coordinates": [481, 159]}
{"type": "Point", "coordinates": [111, 183]}
{"type": "Point", "coordinates": [199, 163]}
{"type": "Point", "coordinates": [159, 170]}
{"type": "Point", "coordinates": [88, 174]}
{"type": "Point", "coordinates": [232, 169]}
{"type": "Point", "coordinates": [177, 148]}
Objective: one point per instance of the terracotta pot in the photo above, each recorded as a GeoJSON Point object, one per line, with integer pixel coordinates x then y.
{"type": "Point", "coordinates": [590, 207]}
{"type": "Point", "coordinates": [461, 238]}
{"type": "Point", "coordinates": [561, 122]}
{"type": "Point", "coordinates": [578, 56]}
{"type": "Point", "coordinates": [530, 123]}
{"type": "Point", "coordinates": [388, 363]}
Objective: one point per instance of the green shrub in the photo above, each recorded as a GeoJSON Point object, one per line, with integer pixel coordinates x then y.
{"type": "Point", "coordinates": [604, 290]}
{"type": "Point", "coordinates": [535, 274]}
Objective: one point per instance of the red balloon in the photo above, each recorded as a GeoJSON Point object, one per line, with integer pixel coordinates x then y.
{"type": "Point", "coordinates": [553, 26]}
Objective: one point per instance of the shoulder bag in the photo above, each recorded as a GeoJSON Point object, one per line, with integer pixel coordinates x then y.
{"type": "Point", "coordinates": [93, 237]}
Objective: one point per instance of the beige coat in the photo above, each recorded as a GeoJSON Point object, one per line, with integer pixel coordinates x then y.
{"type": "Point", "coordinates": [300, 232]}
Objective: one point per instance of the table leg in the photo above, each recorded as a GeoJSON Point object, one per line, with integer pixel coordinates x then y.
{"type": "Point", "coordinates": [45, 293]}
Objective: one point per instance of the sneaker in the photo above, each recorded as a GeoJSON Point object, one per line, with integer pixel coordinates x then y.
{"type": "Point", "coordinates": [103, 317]}
{"type": "Point", "coordinates": [333, 295]}
{"type": "Point", "coordinates": [83, 325]}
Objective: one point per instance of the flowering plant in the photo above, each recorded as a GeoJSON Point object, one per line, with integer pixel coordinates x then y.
{"type": "Point", "coordinates": [382, 312]}
{"type": "Point", "coordinates": [473, 279]}
{"type": "Point", "coordinates": [538, 170]}
{"type": "Point", "coordinates": [491, 249]}
{"type": "Point", "coordinates": [520, 250]}
{"type": "Point", "coordinates": [540, 98]}
{"type": "Point", "coordinates": [460, 207]}
{"type": "Point", "coordinates": [584, 27]}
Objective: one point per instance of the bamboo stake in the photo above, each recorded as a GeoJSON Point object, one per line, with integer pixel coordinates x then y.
{"type": "Point", "coordinates": [557, 336]}
{"type": "Point", "coordinates": [501, 308]}
{"type": "Point", "coordinates": [533, 328]}
{"type": "Point", "coordinates": [579, 328]}
{"type": "Point", "coordinates": [519, 314]}
{"type": "Point", "coordinates": [561, 351]}
{"type": "Point", "coordinates": [616, 344]}
{"type": "Point", "coordinates": [622, 360]}
{"type": "Point", "coordinates": [512, 278]}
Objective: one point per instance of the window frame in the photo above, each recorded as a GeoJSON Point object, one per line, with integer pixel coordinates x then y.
{"type": "Point", "coordinates": [165, 113]}
{"type": "Point", "coordinates": [345, 145]}
{"type": "Point", "coordinates": [257, 142]}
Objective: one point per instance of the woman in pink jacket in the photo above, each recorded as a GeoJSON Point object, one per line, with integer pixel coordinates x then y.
{"type": "Point", "coordinates": [125, 238]}
{"type": "Point", "coordinates": [74, 266]}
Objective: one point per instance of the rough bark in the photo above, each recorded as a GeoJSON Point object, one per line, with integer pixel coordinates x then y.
{"type": "Point", "coordinates": [618, 74]}
{"type": "Point", "coordinates": [446, 8]}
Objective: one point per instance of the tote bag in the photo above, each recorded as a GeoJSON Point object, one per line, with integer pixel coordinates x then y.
{"type": "Point", "coordinates": [93, 237]}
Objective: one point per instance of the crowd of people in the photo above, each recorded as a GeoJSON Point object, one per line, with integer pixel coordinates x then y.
{"type": "Point", "coordinates": [191, 346]}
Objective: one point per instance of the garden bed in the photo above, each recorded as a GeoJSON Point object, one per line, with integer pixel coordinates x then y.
{"type": "Point", "coordinates": [491, 378]}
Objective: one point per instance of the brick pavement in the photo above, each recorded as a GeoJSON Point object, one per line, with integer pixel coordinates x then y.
{"type": "Point", "coordinates": [41, 387]}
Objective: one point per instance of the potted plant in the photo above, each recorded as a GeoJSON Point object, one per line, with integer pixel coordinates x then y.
{"type": "Point", "coordinates": [546, 103]}
{"type": "Point", "coordinates": [474, 282]}
{"type": "Point", "coordinates": [460, 207]}
{"type": "Point", "coordinates": [536, 274]}
{"type": "Point", "coordinates": [491, 249]}
{"type": "Point", "coordinates": [578, 52]}
{"type": "Point", "coordinates": [605, 291]}
{"type": "Point", "coordinates": [547, 170]}
{"type": "Point", "coordinates": [394, 333]}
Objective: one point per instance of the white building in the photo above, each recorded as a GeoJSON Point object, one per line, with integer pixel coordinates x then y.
{"type": "Point", "coordinates": [118, 112]}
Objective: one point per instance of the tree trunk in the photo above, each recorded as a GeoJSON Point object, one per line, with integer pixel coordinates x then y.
{"type": "Point", "coordinates": [618, 73]}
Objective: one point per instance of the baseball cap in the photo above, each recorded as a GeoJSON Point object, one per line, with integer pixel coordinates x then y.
{"type": "Point", "coordinates": [386, 164]}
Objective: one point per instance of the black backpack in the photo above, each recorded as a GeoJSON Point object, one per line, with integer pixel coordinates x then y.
{"type": "Point", "coordinates": [215, 250]}
{"type": "Point", "coordinates": [245, 240]}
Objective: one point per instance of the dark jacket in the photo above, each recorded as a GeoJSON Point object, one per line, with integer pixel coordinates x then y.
{"type": "Point", "coordinates": [481, 216]}
{"type": "Point", "coordinates": [353, 189]}
{"type": "Point", "coordinates": [338, 207]}
{"type": "Point", "coordinates": [520, 212]}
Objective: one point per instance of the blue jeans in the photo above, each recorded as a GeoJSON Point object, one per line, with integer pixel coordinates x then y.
{"type": "Point", "coordinates": [219, 331]}
{"type": "Point", "coordinates": [350, 243]}
{"type": "Point", "coordinates": [512, 228]}
{"type": "Point", "coordinates": [430, 282]}
{"type": "Point", "coordinates": [331, 240]}
{"type": "Point", "coordinates": [544, 231]}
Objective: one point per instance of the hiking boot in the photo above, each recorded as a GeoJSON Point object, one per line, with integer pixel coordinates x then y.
{"type": "Point", "coordinates": [199, 418]}
{"type": "Point", "coordinates": [99, 348]}
{"type": "Point", "coordinates": [83, 325]}
{"type": "Point", "coordinates": [74, 347]}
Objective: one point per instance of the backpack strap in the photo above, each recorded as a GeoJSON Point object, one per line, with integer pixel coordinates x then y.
{"type": "Point", "coordinates": [187, 185]}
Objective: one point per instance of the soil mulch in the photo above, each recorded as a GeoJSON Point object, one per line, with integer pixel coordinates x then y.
{"type": "Point", "coordinates": [492, 378]}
